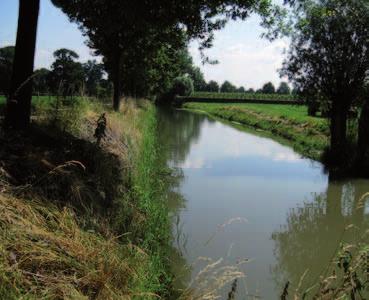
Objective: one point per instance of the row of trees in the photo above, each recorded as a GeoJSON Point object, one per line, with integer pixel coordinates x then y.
{"type": "Point", "coordinates": [142, 42]}
{"type": "Point", "coordinates": [67, 76]}
{"type": "Point", "coordinates": [200, 85]}
{"type": "Point", "coordinates": [228, 87]}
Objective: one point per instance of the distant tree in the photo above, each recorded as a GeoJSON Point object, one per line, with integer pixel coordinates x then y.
{"type": "Point", "coordinates": [18, 112]}
{"type": "Point", "coordinates": [6, 68]}
{"type": "Point", "coordinates": [212, 86]}
{"type": "Point", "coordinates": [182, 86]}
{"type": "Point", "coordinates": [284, 89]}
{"type": "Point", "coordinates": [251, 90]}
{"type": "Point", "coordinates": [197, 77]}
{"type": "Point", "coordinates": [241, 89]}
{"type": "Point", "coordinates": [93, 73]}
{"type": "Point", "coordinates": [268, 88]}
{"type": "Point", "coordinates": [41, 81]}
{"type": "Point", "coordinates": [227, 87]}
{"type": "Point", "coordinates": [67, 74]}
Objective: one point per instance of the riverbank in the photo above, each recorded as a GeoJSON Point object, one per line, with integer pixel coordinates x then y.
{"type": "Point", "coordinates": [80, 220]}
{"type": "Point", "coordinates": [307, 135]}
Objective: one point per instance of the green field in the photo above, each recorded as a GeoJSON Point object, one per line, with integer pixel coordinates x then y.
{"type": "Point", "coordinates": [243, 96]}
{"type": "Point", "coordinates": [308, 135]}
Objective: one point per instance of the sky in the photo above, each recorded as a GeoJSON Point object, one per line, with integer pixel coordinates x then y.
{"type": "Point", "coordinates": [244, 57]}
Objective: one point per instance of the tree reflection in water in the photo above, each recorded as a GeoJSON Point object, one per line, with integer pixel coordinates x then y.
{"type": "Point", "coordinates": [177, 131]}
{"type": "Point", "coordinates": [307, 245]}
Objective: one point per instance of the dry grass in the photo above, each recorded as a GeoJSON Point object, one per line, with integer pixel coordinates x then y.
{"type": "Point", "coordinates": [55, 242]}
{"type": "Point", "coordinates": [44, 253]}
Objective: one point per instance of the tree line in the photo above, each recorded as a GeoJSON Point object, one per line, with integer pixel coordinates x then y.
{"type": "Point", "coordinates": [228, 87]}
{"type": "Point", "coordinates": [66, 76]}
{"type": "Point", "coordinates": [142, 42]}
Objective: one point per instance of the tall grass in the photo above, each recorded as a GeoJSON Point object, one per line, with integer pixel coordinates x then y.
{"type": "Point", "coordinates": [101, 232]}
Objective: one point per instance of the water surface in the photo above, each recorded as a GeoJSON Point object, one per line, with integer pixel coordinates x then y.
{"type": "Point", "coordinates": [243, 196]}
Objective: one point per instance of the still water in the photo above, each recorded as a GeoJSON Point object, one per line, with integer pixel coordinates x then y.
{"type": "Point", "coordinates": [246, 198]}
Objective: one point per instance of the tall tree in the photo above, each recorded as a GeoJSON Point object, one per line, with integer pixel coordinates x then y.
{"type": "Point", "coordinates": [93, 73]}
{"type": "Point", "coordinates": [284, 89]}
{"type": "Point", "coordinates": [67, 74]}
{"type": "Point", "coordinates": [18, 114]}
{"type": "Point", "coordinates": [117, 27]}
{"type": "Point", "coordinates": [268, 88]}
{"type": "Point", "coordinates": [227, 87]}
{"type": "Point", "coordinates": [328, 59]}
{"type": "Point", "coordinates": [212, 86]}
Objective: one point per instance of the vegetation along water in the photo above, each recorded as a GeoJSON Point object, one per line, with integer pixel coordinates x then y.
{"type": "Point", "coordinates": [132, 166]}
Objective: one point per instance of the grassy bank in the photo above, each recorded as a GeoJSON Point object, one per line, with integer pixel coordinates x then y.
{"type": "Point", "coordinates": [81, 221]}
{"type": "Point", "coordinates": [307, 135]}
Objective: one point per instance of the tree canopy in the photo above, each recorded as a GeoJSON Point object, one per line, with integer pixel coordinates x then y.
{"type": "Point", "coordinates": [135, 33]}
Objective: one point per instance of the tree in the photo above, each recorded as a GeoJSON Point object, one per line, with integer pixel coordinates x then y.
{"type": "Point", "coordinates": [118, 29]}
{"type": "Point", "coordinates": [41, 81]}
{"type": "Point", "coordinates": [284, 89]}
{"type": "Point", "coordinates": [18, 113]}
{"type": "Point", "coordinates": [268, 88]}
{"type": "Point", "coordinates": [251, 90]}
{"type": "Point", "coordinates": [241, 89]}
{"type": "Point", "coordinates": [67, 74]}
{"type": "Point", "coordinates": [328, 59]}
{"type": "Point", "coordinates": [227, 87]}
{"type": "Point", "coordinates": [197, 76]}
{"type": "Point", "coordinates": [93, 73]}
{"type": "Point", "coordinates": [6, 67]}
{"type": "Point", "coordinates": [212, 86]}
{"type": "Point", "coordinates": [182, 86]}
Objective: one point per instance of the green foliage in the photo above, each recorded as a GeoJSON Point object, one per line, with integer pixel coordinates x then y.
{"type": "Point", "coordinates": [328, 60]}
{"type": "Point", "coordinates": [268, 88]}
{"type": "Point", "coordinates": [212, 86]}
{"type": "Point", "coordinates": [41, 81]}
{"type": "Point", "coordinates": [67, 75]}
{"type": "Point", "coordinates": [93, 73]}
{"type": "Point", "coordinates": [227, 87]}
{"type": "Point", "coordinates": [241, 89]}
{"type": "Point", "coordinates": [284, 89]}
{"type": "Point", "coordinates": [137, 38]}
{"type": "Point", "coordinates": [182, 86]}
{"type": "Point", "coordinates": [197, 77]}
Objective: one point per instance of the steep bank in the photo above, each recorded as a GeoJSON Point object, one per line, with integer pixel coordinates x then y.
{"type": "Point", "coordinates": [80, 221]}
{"type": "Point", "coordinates": [307, 135]}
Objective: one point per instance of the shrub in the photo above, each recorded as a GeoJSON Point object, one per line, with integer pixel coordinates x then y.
{"type": "Point", "coordinates": [182, 86]}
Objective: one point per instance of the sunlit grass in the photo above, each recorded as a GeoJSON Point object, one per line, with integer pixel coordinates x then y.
{"type": "Point", "coordinates": [308, 135]}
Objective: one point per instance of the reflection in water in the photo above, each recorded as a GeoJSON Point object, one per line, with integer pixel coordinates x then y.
{"type": "Point", "coordinates": [314, 232]}
{"type": "Point", "coordinates": [224, 173]}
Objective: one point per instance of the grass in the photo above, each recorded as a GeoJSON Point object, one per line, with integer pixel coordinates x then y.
{"type": "Point", "coordinates": [79, 221]}
{"type": "Point", "coordinates": [307, 135]}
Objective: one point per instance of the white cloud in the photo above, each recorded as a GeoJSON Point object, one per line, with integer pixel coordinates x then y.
{"type": "Point", "coordinates": [245, 58]}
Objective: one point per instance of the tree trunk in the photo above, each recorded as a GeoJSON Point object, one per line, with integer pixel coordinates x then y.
{"type": "Point", "coordinates": [18, 112]}
{"type": "Point", "coordinates": [363, 136]}
{"type": "Point", "coordinates": [117, 82]}
{"type": "Point", "coordinates": [338, 130]}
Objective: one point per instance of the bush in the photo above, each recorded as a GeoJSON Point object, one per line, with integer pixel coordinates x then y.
{"type": "Point", "coordinates": [182, 86]}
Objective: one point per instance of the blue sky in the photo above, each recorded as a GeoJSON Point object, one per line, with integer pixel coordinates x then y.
{"type": "Point", "coordinates": [245, 58]}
